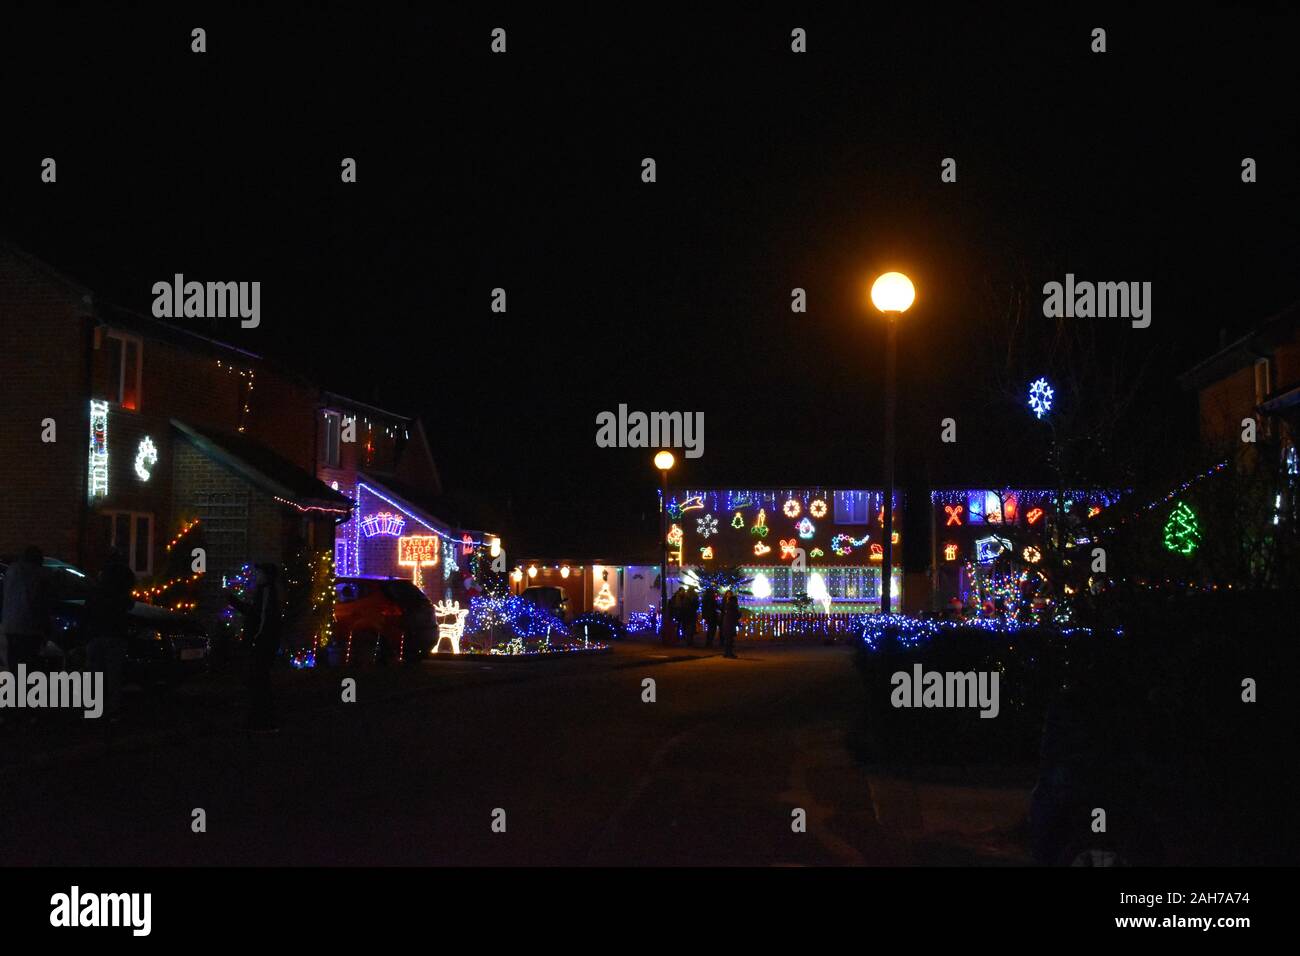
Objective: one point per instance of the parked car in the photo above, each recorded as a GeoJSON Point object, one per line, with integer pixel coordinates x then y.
{"type": "Point", "coordinates": [66, 580]}
{"type": "Point", "coordinates": [163, 647]}
{"type": "Point", "coordinates": [381, 620]}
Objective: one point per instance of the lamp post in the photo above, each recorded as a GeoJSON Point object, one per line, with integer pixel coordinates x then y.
{"type": "Point", "coordinates": [664, 461]}
{"type": "Point", "coordinates": [892, 294]}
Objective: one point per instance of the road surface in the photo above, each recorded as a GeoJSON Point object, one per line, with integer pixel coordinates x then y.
{"type": "Point", "coordinates": [586, 771]}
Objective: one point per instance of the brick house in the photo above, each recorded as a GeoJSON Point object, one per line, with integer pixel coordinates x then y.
{"type": "Point", "coordinates": [152, 427]}
{"type": "Point", "coordinates": [389, 474]}
{"type": "Point", "coordinates": [124, 431]}
{"type": "Point", "coordinates": [1256, 378]}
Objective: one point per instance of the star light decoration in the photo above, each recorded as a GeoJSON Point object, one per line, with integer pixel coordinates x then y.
{"type": "Point", "coordinates": [1040, 397]}
{"type": "Point", "coordinates": [707, 526]}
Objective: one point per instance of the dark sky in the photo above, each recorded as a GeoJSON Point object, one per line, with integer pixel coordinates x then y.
{"type": "Point", "coordinates": [774, 171]}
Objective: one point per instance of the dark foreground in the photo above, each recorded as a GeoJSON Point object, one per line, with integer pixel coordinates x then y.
{"type": "Point", "coordinates": [586, 772]}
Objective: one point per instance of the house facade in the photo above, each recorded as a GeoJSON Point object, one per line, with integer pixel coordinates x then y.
{"type": "Point", "coordinates": [193, 457]}
{"type": "Point", "coordinates": [1248, 402]}
{"type": "Point", "coordinates": [822, 542]}
{"type": "Point", "coordinates": [399, 525]}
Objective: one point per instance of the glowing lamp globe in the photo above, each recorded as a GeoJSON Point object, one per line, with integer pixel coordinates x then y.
{"type": "Point", "coordinates": [892, 292]}
{"type": "Point", "coordinates": [664, 460]}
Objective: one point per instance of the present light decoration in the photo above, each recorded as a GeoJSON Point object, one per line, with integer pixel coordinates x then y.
{"type": "Point", "coordinates": [383, 523]}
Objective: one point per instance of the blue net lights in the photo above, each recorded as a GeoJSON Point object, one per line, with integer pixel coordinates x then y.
{"type": "Point", "coordinates": [914, 632]}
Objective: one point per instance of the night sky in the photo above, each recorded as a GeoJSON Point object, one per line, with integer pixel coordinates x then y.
{"type": "Point", "coordinates": [775, 170]}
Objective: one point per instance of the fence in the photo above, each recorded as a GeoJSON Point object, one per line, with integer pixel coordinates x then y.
{"type": "Point", "coordinates": [811, 625]}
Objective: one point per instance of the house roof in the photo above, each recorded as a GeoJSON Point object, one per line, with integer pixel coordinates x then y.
{"type": "Point", "coordinates": [453, 512]}
{"type": "Point", "coordinates": [265, 469]}
{"type": "Point", "coordinates": [165, 331]}
{"type": "Point", "coordinates": [79, 292]}
{"type": "Point", "coordinates": [1256, 344]}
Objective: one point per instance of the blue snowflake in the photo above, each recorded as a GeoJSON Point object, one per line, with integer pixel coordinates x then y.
{"type": "Point", "coordinates": [1040, 397]}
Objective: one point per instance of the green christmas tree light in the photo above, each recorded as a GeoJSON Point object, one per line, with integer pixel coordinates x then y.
{"type": "Point", "coordinates": [1182, 530]}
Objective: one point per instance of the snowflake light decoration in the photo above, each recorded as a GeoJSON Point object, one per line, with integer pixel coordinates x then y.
{"type": "Point", "coordinates": [1040, 397]}
{"type": "Point", "coordinates": [707, 526]}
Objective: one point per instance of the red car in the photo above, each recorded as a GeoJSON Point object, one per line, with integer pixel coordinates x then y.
{"type": "Point", "coordinates": [381, 621]}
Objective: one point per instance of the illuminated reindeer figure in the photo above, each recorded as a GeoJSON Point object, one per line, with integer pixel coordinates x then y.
{"type": "Point", "coordinates": [454, 627]}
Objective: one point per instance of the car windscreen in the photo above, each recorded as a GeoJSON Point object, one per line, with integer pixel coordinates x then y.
{"type": "Point", "coordinates": [403, 592]}
{"type": "Point", "coordinates": [547, 597]}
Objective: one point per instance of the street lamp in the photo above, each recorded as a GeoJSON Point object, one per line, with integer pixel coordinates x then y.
{"type": "Point", "coordinates": [892, 294]}
{"type": "Point", "coordinates": [664, 461]}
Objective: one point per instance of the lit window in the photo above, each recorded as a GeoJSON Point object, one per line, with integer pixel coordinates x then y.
{"type": "Point", "coordinates": [125, 354]}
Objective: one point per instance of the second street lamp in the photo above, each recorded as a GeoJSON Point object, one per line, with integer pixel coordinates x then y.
{"type": "Point", "coordinates": [892, 294]}
{"type": "Point", "coordinates": [664, 461]}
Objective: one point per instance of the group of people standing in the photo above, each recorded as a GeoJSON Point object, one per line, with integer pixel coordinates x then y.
{"type": "Point", "coordinates": [720, 613]}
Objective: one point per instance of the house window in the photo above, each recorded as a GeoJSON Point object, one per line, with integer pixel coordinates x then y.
{"type": "Point", "coordinates": [131, 532]}
{"type": "Point", "coordinates": [333, 427]}
{"type": "Point", "coordinates": [125, 359]}
{"type": "Point", "coordinates": [851, 507]}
